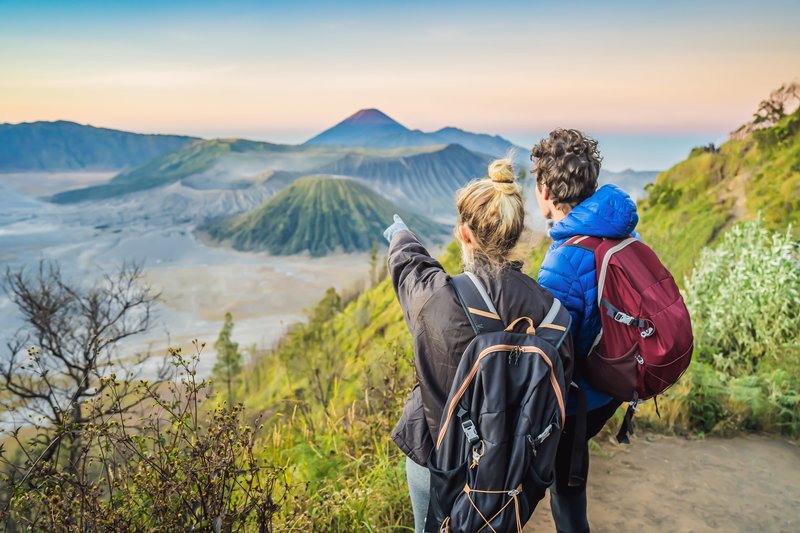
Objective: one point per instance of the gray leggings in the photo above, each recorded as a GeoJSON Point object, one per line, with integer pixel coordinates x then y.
{"type": "Point", "coordinates": [419, 486]}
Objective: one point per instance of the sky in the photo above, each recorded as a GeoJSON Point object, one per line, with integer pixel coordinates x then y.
{"type": "Point", "coordinates": [648, 78]}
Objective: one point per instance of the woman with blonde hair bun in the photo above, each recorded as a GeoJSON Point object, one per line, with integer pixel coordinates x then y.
{"type": "Point", "coordinates": [490, 221]}
{"type": "Point", "coordinates": [491, 217]}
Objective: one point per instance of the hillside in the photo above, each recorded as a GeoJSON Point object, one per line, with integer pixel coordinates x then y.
{"type": "Point", "coordinates": [336, 384]}
{"type": "Point", "coordinates": [226, 164]}
{"type": "Point", "coordinates": [423, 182]}
{"type": "Point", "coordinates": [484, 143]}
{"type": "Point", "coordinates": [192, 159]}
{"type": "Point", "coordinates": [691, 203]}
{"type": "Point", "coordinates": [372, 127]}
{"type": "Point", "coordinates": [317, 214]}
{"type": "Point", "coordinates": [67, 146]}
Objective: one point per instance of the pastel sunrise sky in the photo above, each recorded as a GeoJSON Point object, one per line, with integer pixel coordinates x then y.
{"type": "Point", "coordinates": [285, 71]}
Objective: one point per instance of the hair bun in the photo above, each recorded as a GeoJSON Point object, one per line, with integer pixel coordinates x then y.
{"type": "Point", "coordinates": [502, 171]}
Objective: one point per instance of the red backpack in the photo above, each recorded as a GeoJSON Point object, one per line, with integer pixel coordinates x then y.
{"type": "Point", "coordinates": [646, 341]}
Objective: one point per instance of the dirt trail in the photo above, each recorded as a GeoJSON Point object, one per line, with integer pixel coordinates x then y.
{"type": "Point", "coordinates": [748, 483]}
{"type": "Point", "coordinates": [737, 191]}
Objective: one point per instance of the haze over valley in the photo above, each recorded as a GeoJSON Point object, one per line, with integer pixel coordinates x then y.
{"type": "Point", "coordinates": [255, 228]}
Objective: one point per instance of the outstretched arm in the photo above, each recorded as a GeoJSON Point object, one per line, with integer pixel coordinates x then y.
{"type": "Point", "coordinates": [415, 274]}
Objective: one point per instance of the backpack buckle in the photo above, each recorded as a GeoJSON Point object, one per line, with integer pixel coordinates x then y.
{"type": "Point", "coordinates": [469, 430]}
{"type": "Point", "coordinates": [623, 318]}
{"type": "Point", "coordinates": [477, 453]}
{"type": "Point", "coordinates": [546, 433]}
{"type": "Point", "coordinates": [543, 435]}
{"type": "Point", "coordinates": [634, 404]}
{"type": "Point", "coordinates": [537, 441]}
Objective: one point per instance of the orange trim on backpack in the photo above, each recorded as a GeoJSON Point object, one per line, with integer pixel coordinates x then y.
{"type": "Point", "coordinates": [474, 370]}
{"type": "Point", "coordinates": [530, 331]}
{"type": "Point", "coordinates": [483, 313]}
{"type": "Point", "coordinates": [553, 326]}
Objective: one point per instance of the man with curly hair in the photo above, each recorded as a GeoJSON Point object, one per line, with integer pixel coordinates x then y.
{"type": "Point", "coordinates": [566, 167]}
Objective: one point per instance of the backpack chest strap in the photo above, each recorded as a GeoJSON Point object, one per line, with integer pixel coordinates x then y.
{"type": "Point", "coordinates": [623, 318]}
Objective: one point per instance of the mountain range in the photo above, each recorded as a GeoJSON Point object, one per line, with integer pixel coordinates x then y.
{"type": "Point", "coordinates": [371, 127]}
{"type": "Point", "coordinates": [67, 146]}
{"type": "Point", "coordinates": [416, 171]}
{"type": "Point", "coordinates": [424, 178]}
{"type": "Point", "coordinates": [427, 181]}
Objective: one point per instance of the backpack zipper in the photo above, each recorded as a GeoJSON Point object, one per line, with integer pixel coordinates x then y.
{"type": "Point", "coordinates": [513, 356]}
{"type": "Point", "coordinates": [474, 370]}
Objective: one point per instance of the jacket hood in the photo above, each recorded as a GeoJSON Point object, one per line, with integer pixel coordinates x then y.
{"type": "Point", "coordinates": [609, 213]}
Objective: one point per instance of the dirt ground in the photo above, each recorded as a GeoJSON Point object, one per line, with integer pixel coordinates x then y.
{"type": "Point", "coordinates": [658, 483]}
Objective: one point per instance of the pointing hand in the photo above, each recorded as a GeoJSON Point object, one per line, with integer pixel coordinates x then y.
{"type": "Point", "coordinates": [394, 228]}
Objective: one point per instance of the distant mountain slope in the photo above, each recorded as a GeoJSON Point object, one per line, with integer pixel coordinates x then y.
{"type": "Point", "coordinates": [423, 182]}
{"type": "Point", "coordinates": [493, 145]}
{"type": "Point", "coordinates": [371, 127]}
{"type": "Point", "coordinates": [631, 181]}
{"type": "Point", "coordinates": [11, 201]}
{"type": "Point", "coordinates": [223, 164]}
{"type": "Point", "coordinates": [318, 214]}
{"type": "Point", "coordinates": [690, 204]}
{"type": "Point", "coordinates": [191, 160]}
{"type": "Point", "coordinates": [64, 146]}
{"type": "Point", "coordinates": [368, 127]}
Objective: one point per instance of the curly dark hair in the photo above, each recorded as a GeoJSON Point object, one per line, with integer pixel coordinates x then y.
{"type": "Point", "coordinates": [567, 162]}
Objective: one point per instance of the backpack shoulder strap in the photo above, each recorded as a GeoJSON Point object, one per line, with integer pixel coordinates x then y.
{"type": "Point", "coordinates": [584, 241]}
{"type": "Point", "coordinates": [477, 305]}
{"type": "Point", "coordinates": [557, 322]}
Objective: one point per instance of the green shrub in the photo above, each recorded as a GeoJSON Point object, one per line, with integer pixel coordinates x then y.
{"type": "Point", "coordinates": [182, 466]}
{"type": "Point", "coordinates": [744, 298]}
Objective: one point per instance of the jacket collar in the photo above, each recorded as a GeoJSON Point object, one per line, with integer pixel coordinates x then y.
{"type": "Point", "coordinates": [609, 213]}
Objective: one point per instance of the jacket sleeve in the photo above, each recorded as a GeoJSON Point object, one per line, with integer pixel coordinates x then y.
{"type": "Point", "coordinates": [415, 274]}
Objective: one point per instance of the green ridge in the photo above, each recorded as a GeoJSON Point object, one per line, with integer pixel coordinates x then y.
{"type": "Point", "coordinates": [200, 156]}
{"type": "Point", "coordinates": [690, 204]}
{"type": "Point", "coordinates": [169, 168]}
{"type": "Point", "coordinates": [66, 146]}
{"type": "Point", "coordinates": [317, 214]}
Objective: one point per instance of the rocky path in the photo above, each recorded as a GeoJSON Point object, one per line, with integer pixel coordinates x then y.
{"type": "Point", "coordinates": [747, 483]}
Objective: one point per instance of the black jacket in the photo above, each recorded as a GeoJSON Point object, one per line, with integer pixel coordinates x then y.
{"type": "Point", "coordinates": [441, 331]}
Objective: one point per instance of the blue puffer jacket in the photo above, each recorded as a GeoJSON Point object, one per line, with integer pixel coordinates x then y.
{"type": "Point", "coordinates": [569, 272]}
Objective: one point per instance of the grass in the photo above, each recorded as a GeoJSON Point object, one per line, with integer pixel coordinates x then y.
{"type": "Point", "coordinates": [689, 206]}
{"type": "Point", "coordinates": [333, 387]}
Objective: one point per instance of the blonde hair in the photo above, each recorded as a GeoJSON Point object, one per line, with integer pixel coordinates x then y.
{"type": "Point", "coordinates": [493, 209]}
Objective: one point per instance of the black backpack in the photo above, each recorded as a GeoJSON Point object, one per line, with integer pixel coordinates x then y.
{"type": "Point", "coordinates": [495, 453]}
